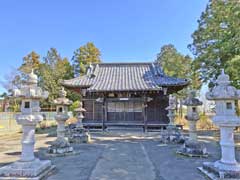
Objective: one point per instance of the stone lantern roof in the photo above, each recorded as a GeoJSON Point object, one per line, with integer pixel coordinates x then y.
{"type": "Point", "coordinates": [62, 100]}
{"type": "Point", "coordinates": [30, 90]}
{"type": "Point", "coordinates": [223, 90]}
{"type": "Point", "coordinates": [80, 108]}
{"type": "Point", "coordinates": [191, 100]}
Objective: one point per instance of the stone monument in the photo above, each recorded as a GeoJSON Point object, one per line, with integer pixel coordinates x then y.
{"type": "Point", "coordinates": [79, 134]}
{"type": "Point", "coordinates": [172, 134]}
{"type": "Point", "coordinates": [28, 167]}
{"type": "Point", "coordinates": [224, 96]}
{"type": "Point", "coordinates": [192, 147]}
{"type": "Point", "coordinates": [61, 146]}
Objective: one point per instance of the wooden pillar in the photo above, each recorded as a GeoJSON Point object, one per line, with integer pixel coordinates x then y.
{"type": "Point", "coordinates": [104, 117]}
{"type": "Point", "coordinates": [144, 114]}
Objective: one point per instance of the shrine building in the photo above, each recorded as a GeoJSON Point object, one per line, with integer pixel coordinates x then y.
{"type": "Point", "coordinates": [125, 94]}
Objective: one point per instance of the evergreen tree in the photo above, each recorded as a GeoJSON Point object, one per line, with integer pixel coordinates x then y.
{"type": "Point", "coordinates": [83, 56]}
{"type": "Point", "coordinates": [31, 61]}
{"type": "Point", "coordinates": [217, 38]}
{"type": "Point", "coordinates": [177, 65]}
{"type": "Point", "coordinates": [52, 71]}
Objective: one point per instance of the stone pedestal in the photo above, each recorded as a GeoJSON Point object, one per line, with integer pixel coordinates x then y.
{"type": "Point", "coordinates": [171, 134]}
{"type": "Point", "coordinates": [28, 167]}
{"type": "Point", "coordinates": [192, 147]}
{"type": "Point", "coordinates": [79, 135]}
{"type": "Point", "coordinates": [224, 96]}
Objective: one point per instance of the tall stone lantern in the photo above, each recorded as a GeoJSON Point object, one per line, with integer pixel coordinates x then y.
{"type": "Point", "coordinates": [224, 96]}
{"type": "Point", "coordinates": [79, 134]}
{"type": "Point", "coordinates": [171, 109]}
{"type": "Point", "coordinates": [61, 144]}
{"type": "Point", "coordinates": [192, 147]}
{"type": "Point", "coordinates": [172, 134]}
{"type": "Point", "coordinates": [28, 166]}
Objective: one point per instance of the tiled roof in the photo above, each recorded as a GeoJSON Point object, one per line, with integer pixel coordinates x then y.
{"type": "Point", "coordinates": [124, 77]}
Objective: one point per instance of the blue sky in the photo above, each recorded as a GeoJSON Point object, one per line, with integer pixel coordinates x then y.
{"type": "Point", "coordinates": [124, 30]}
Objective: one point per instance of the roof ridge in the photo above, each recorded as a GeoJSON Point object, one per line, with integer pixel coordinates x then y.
{"type": "Point", "coordinates": [124, 63]}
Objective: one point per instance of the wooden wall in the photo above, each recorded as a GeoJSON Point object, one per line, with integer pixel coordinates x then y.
{"type": "Point", "coordinates": [156, 112]}
{"type": "Point", "coordinates": [126, 111]}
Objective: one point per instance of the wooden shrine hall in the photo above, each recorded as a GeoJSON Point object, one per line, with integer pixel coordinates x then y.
{"type": "Point", "coordinates": [127, 94]}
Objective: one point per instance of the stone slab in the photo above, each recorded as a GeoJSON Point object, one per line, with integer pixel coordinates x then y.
{"type": "Point", "coordinates": [19, 171]}
{"type": "Point", "coordinates": [191, 154]}
{"type": "Point", "coordinates": [213, 173]}
{"type": "Point", "coordinates": [72, 153]}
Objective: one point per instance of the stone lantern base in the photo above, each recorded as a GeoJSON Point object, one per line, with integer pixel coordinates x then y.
{"type": "Point", "coordinates": [79, 135]}
{"type": "Point", "coordinates": [60, 146]}
{"type": "Point", "coordinates": [171, 135]}
{"type": "Point", "coordinates": [34, 170]}
{"type": "Point", "coordinates": [193, 149]}
{"type": "Point", "coordinates": [214, 171]}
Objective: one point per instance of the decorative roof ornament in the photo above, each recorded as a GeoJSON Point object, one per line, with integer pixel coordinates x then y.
{"type": "Point", "coordinates": [62, 100]}
{"type": "Point", "coordinates": [223, 89]}
{"type": "Point", "coordinates": [62, 93]}
{"type": "Point", "coordinates": [80, 108]}
{"type": "Point", "coordinates": [32, 78]}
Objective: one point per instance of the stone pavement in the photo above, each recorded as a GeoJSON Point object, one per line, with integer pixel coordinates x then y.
{"type": "Point", "coordinates": [118, 156]}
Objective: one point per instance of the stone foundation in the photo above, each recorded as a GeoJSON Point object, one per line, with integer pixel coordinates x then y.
{"type": "Point", "coordinates": [26, 170]}
{"type": "Point", "coordinates": [171, 135]}
{"type": "Point", "coordinates": [211, 171]}
{"type": "Point", "coordinates": [193, 149]}
{"type": "Point", "coordinates": [60, 146]}
{"type": "Point", "coordinates": [78, 136]}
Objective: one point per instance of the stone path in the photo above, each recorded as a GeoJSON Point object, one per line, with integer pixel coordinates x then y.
{"type": "Point", "coordinates": [125, 161]}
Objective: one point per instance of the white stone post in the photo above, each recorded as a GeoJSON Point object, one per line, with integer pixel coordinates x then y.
{"type": "Point", "coordinates": [28, 141]}
{"type": "Point", "coordinates": [227, 145]}
{"type": "Point", "coordinates": [192, 130]}
{"type": "Point", "coordinates": [28, 166]}
{"type": "Point", "coordinates": [224, 96]}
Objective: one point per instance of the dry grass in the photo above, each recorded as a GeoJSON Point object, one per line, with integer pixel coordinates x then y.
{"type": "Point", "coordinates": [205, 123]}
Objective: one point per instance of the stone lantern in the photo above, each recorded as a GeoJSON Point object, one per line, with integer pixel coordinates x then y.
{"type": "Point", "coordinates": [79, 134]}
{"type": "Point", "coordinates": [192, 147]}
{"type": "Point", "coordinates": [61, 144]}
{"type": "Point", "coordinates": [172, 134]}
{"type": "Point", "coordinates": [224, 96]}
{"type": "Point", "coordinates": [171, 110]}
{"type": "Point", "coordinates": [28, 166]}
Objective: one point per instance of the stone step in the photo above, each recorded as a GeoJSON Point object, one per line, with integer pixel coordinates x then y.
{"type": "Point", "coordinates": [123, 128]}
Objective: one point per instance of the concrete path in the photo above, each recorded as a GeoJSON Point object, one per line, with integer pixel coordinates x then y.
{"type": "Point", "coordinates": [124, 161]}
